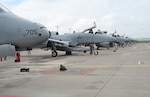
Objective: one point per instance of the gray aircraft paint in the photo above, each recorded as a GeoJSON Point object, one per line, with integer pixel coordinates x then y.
{"type": "Point", "coordinates": [19, 32]}
{"type": "Point", "coordinates": [78, 38]}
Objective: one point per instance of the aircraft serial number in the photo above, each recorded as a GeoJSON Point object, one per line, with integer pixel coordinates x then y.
{"type": "Point", "coordinates": [32, 31]}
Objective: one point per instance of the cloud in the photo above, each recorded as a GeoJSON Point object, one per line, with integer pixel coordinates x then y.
{"type": "Point", "coordinates": [54, 13]}
{"type": "Point", "coordinates": [82, 24]}
{"type": "Point", "coordinates": [125, 16]}
{"type": "Point", "coordinates": [6, 1]}
{"type": "Point", "coordinates": [109, 20]}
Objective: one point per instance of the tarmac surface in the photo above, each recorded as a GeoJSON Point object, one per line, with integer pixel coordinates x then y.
{"type": "Point", "coordinates": [125, 73]}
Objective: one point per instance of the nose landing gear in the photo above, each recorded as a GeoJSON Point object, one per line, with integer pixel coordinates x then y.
{"type": "Point", "coordinates": [54, 53]}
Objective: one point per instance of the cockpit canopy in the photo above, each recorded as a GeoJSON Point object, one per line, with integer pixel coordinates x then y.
{"type": "Point", "coordinates": [3, 9]}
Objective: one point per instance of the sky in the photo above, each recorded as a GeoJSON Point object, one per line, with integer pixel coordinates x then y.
{"type": "Point", "coordinates": [127, 17]}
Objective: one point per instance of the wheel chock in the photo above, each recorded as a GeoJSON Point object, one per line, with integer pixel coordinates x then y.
{"type": "Point", "coordinates": [24, 69]}
{"type": "Point", "coordinates": [62, 68]}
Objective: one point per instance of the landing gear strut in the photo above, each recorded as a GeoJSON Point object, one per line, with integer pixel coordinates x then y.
{"type": "Point", "coordinates": [115, 45]}
{"type": "Point", "coordinates": [53, 46]}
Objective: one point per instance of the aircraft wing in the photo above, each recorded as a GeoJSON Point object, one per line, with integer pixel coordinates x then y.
{"type": "Point", "coordinates": [76, 48]}
{"type": "Point", "coordinates": [7, 50]}
{"type": "Point", "coordinates": [59, 43]}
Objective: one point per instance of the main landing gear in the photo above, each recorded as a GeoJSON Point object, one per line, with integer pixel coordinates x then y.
{"type": "Point", "coordinates": [68, 53]}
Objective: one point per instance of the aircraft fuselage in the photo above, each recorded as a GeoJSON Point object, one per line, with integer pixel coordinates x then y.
{"type": "Point", "coordinates": [20, 32]}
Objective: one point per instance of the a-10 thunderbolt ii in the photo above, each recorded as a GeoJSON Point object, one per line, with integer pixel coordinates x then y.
{"type": "Point", "coordinates": [110, 43]}
{"type": "Point", "coordinates": [121, 40]}
{"type": "Point", "coordinates": [18, 34]}
{"type": "Point", "coordinates": [78, 38]}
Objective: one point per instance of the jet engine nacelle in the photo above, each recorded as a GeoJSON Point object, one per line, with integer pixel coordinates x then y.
{"type": "Point", "coordinates": [7, 50]}
{"type": "Point", "coordinates": [103, 44]}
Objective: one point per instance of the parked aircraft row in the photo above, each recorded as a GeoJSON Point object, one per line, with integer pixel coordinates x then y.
{"type": "Point", "coordinates": [76, 39]}
{"type": "Point", "coordinates": [121, 41]}
{"type": "Point", "coordinates": [18, 34]}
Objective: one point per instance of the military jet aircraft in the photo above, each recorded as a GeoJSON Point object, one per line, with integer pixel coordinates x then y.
{"type": "Point", "coordinates": [110, 43]}
{"type": "Point", "coordinates": [18, 34]}
{"type": "Point", "coordinates": [77, 38]}
{"type": "Point", "coordinates": [122, 41]}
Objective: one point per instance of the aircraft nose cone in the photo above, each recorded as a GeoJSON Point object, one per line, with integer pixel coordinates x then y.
{"type": "Point", "coordinates": [43, 34]}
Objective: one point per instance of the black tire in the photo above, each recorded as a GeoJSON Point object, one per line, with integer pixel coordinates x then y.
{"type": "Point", "coordinates": [95, 52]}
{"type": "Point", "coordinates": [54, 54]}
{"type": "Point", "coordinates": [68, 53]}
{"type": "Point", "coordinates": [84, 51]}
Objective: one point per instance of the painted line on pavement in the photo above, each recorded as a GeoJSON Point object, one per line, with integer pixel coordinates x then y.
{"type": "Point", "coordinates": [89, 71]}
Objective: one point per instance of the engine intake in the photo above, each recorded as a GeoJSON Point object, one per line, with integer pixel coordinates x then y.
{"type": "Point", "coordinates": [7, 50]}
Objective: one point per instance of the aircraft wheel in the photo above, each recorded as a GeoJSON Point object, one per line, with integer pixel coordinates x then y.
{"type": "Point", "coordinates": [84, 51]}
{"type": "Point", "coordinates": [54, 54]}
{"type": "Point", "coordinates": [68, 53]}
{"type": "Point", "coordinates": [96, 52]}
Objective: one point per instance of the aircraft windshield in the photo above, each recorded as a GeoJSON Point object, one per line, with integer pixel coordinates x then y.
{"type": "Point", "coordinates": [3, 9]}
